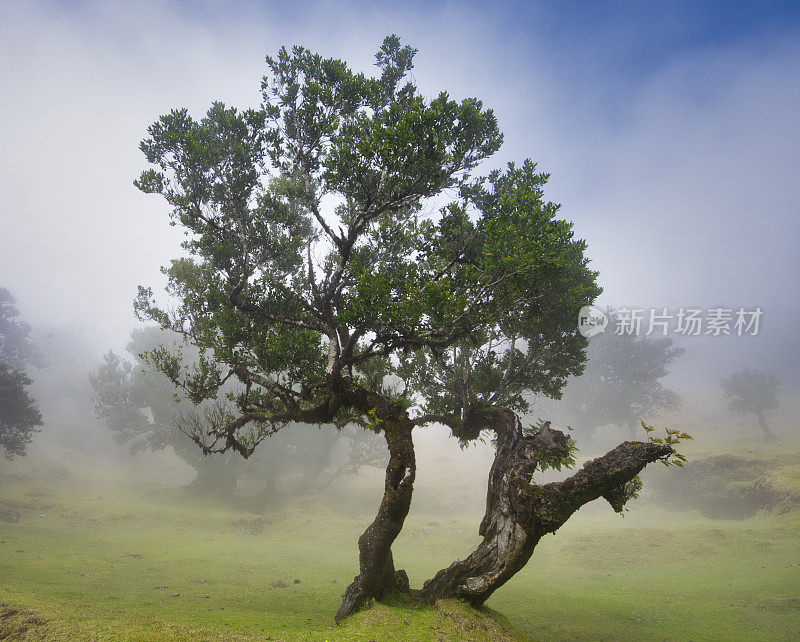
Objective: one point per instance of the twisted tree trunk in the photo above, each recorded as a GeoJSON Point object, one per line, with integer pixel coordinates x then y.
{"type": "Point", "coordinates": [519, 512]}
{"type": "Point", "coordinates": [377, 576]}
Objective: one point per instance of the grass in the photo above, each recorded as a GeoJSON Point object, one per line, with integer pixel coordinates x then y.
{"type": "Point", "coordinates": [97, 556]}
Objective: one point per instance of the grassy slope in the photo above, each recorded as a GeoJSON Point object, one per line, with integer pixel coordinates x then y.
{"type": "Point", "coordinates": [93, 559]}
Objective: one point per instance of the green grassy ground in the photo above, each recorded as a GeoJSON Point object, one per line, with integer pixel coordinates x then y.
{"type": "Point", "coordinates": [106, 558]}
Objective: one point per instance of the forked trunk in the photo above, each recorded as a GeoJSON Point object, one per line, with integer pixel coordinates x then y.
{"type": "Point", "coordinates": [519, 512]}
{"type": "Point", "coordinates": [377, 576]}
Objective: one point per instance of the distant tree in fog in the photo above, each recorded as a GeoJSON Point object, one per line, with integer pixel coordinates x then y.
{"type": "Point", "coordinates": [16, 348]}
{"type": "Point", "coordinates": [752, 392]}
{"type": "Point", "coordinates": [140, 407]}
{"type": "Point", "coordinates": [621, 384]}
{"type": "Point", "coordinates": [19, 413]}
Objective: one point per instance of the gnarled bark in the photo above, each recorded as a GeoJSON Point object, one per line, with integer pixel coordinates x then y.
{"type": "Point", "coordinates": [377, 576]}
{"type": "Point", "coordinates": [519, 512]}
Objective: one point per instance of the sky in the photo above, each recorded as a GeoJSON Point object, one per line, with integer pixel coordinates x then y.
{"type": "Point", "coordinates": [670, 130]}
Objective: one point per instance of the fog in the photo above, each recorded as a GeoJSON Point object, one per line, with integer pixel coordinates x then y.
{"type": "Point", "coordinates": [678, 170]}
{"type": "Point", "coordinates": [673, 142]}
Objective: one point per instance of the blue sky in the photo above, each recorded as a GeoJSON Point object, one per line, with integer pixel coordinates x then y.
{"type": "Point", "coordinates": [670, 130]}
{"type": "Point", "coordinates": [612, 45]}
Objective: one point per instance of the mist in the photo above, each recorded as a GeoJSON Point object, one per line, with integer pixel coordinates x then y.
{"type": "Point", "coordinates": [672, 143]}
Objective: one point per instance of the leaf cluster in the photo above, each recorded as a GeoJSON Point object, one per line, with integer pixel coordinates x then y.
{"type": "Point", "coordinates": [673, 438]}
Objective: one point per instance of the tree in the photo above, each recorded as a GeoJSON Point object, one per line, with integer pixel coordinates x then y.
{"type": "Point", "coordinates": [752, 392]}
{"type": "Point", "coordinates": [16, 348]}
{"type": "Point", "coordinates": [343, 265]}
{"type": "Point", "coordinates": [621, 384]}
{"type": "Point", "coordinates": [19, 414]}
{"type": "Point", "coordinates": [138, 405]}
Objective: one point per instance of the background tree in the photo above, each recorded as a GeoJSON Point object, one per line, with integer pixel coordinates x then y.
{"type": "Point", "coordinates": [325, 280]}
{"type": "Point", "coordinates": [752, 391]}
{"type": "Point", "coordinates": [139, 406]}
{"type": "Point", "coordinates": [621, 384]}
{"type": "Point", "coordinates": [19, 414]}
{"type": "Point", "coordinates": [16, 348]}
